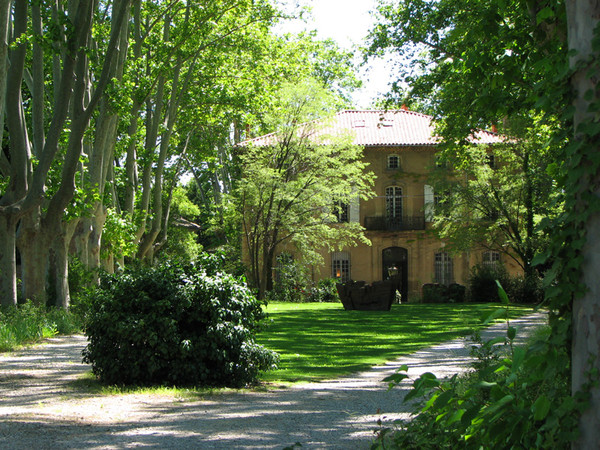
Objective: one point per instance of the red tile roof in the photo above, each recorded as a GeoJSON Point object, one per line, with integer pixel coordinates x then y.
{"type": "Point", "coordinates": [386, 129]}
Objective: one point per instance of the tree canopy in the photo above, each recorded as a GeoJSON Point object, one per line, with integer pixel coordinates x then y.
{"type": "Point", "coordinates": [292, 183]}
{"type": "Point", "coordinates": [108, 103]}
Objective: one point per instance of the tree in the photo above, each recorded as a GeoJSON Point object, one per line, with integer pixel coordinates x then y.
{"type": "Point", "coordinates": [486, 61]}
{"type": "Point", "coordinates": [33, 200]}
{"type": "Point", "coordinates": [495, 197]}
{"type": "Point", "coordinates": [583, 32]}
{"type": "Point", "coordinates": [291, 184]}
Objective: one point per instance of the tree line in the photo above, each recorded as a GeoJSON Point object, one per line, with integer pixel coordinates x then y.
{"type": "Point", "coordinates": [107, 103]}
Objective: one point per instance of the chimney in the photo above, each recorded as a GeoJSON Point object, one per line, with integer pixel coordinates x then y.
{"type": "Point", "coordinates": [494, 128]}
{"type": "Point", "coordinates": [404, 107]}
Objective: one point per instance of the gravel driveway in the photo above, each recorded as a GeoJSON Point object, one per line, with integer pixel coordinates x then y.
{"type": "Point", "coordinates": [40, 408]}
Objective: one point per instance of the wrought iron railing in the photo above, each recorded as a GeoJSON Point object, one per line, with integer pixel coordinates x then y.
{"type": "Point", "coordinates": [405, 223]}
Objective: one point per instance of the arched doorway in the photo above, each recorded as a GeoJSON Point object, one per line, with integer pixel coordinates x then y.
{"type": "Point", "coordinates": [394, 261]}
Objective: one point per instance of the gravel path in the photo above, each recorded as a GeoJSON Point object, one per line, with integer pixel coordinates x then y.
{"type": "Point", "coordinates": [40, 408]}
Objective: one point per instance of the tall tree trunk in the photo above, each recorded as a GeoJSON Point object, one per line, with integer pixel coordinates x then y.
{"type": "Point", "coordinates": [59, 256]}
{"type": "Point", "coordinates": [8, 263]}
{"type": "Point", "coordinates": [33, 248]}
{"type": "Point", "coordinates": [19, 160]}
{"type": "Point", "coordinates": [583, 17]}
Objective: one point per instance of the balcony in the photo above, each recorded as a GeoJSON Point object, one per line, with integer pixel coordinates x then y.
{"type": "Point", "coordinates": [406, 223]}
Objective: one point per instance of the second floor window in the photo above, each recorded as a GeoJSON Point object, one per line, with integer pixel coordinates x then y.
{"type": "Point", "coordinates": [393, 202]}
{"type": "Point", "coordinates": [393, 162]}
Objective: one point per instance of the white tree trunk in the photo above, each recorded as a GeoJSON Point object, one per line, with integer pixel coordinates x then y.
{"type": "Point", "coordinates": [583, 17]}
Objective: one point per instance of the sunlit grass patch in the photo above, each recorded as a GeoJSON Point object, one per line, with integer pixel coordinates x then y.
{"type": "Point", "coordinates": [319, 341]}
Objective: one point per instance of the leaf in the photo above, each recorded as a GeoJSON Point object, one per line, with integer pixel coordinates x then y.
{"type": "Point", "coordinates": [502, 293]}
{"type": "Point", "coordinates": [443, 399]}
{"type": "Point", "coordinates": [544, 14]}
{"type": "Point", "coordinates": [499, 404]}
{"type": "Point", "coordinates": [518, 358]}
{"type": "Point", "coordinates": [541, 407]}
{"type": "Point", "coordinates": [494, 315]}
{"type": "Point", "coordinates": [511, 333]}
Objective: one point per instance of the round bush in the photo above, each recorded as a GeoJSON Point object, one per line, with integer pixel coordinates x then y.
{"type": "Point", "coordinates": [173, 326]}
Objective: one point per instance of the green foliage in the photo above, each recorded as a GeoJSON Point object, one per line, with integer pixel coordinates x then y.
{"type": "Point", "coordinates": [28, 323]}
{"type": "Point", "coordinates": [118, 235]}
{"type": "Point", "coordinates": [174, 325]}
{"type": "Point", "coordinates": [483, 285]}
{"type": "Point", "coordinates": [513, 398]}
{"type": "Point", "coordinates": [290, 183]}
{"type": "Point", "coordinates": [439, 293]}
{"type": "Point", "coordinates": [291, 281]}
{"type": "Point", "coordinates": [482, 282]}
{"type": "Point", "coordinates": [325, 291]}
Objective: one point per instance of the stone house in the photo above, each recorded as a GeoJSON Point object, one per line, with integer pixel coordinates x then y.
{"type": "Point", "coordinates": [400, 147]}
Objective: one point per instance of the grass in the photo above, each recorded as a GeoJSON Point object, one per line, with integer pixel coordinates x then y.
{"type": "Point", "coordinates": [28, 323]}
{"type": "Point", "coordinates": [320, 340]}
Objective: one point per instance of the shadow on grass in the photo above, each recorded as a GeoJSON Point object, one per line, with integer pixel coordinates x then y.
{"type": "Point", "coordinates": [321, 341]}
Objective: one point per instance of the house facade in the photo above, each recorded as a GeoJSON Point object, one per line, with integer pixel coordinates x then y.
{"type": "Point", "coordinates": [400, 147]}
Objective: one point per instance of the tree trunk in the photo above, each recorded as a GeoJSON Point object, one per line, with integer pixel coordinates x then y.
{"type": "Point", "coordinates": [582, 19]}
{"type": "Point", "coordinates": [33, 248]}
{"type": "Point", "coordinates": [59, 256]}
{"type": "Point", "coordinates": [8, 262]}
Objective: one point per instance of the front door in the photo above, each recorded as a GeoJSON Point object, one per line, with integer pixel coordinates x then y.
{"type": "Point", "coordinates": [395, 264]}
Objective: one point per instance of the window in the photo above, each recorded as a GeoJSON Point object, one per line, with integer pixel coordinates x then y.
{"type": "Point", "coordinates": [342, 212]}
{"type": "Point", "coordinates": [491, 259]}
{"type": "Point", "coordinates": [393, 202]}
{"type": "Point", "coordinates": [393, 162]}
{"type": "Point", "coordinates": [444, 271]}
{"type": "Point", "coordinates": [340, 266]}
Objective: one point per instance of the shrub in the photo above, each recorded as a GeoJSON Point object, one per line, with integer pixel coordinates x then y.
{"type": "Point", "coordinates": [434, 293]}
{"type": "Point", "coordinates": [438, 293]}
{"type": "Point", "coordinates": [325, 291]}
{"type": "Point", "coordinates": [28, 323]}
{"type": "Point", "coordinates": [482, 283]}
{"type": "Point", "coordinates": [171, 325]}
{"type": "Point", "coordinates": [483, 288]}
{"type": "Point", "coordinates": [525, 290]}
{"type": "Point", "coordinates": [515, 397]}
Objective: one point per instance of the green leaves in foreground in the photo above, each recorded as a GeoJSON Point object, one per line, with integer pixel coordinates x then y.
{"type": "Point", "coordinates": [516, 398]}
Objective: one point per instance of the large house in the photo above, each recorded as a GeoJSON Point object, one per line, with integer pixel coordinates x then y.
{"type": "Point", "coordinates": [400, 147]}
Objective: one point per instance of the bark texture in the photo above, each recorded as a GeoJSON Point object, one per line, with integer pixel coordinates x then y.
{"type": "Point", "coordinates": [583, 17]}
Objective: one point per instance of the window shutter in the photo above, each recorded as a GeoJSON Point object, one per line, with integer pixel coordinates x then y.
{"type": "Point", "coordinates": [354, 209]}
{"type": "Point", "coordinates": [429, 199]}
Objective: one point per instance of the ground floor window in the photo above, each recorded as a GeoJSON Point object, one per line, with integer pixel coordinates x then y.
{"type": "Point", "coordinates": [444, 270]}
{"type": "Point", "coordinates": [340, 266]}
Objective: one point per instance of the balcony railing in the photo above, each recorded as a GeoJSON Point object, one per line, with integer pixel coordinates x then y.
{"type": "Point", "coordinates": [406, 223]}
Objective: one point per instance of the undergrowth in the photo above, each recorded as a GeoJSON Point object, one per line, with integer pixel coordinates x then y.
{"type": "Point", "coordinates": [514, 397]}
{"type": "Point", "coordinates": [29, 323]}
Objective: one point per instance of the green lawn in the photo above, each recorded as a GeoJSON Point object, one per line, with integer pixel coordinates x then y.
{"type": "Point", "coordinates": [320, 340]}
